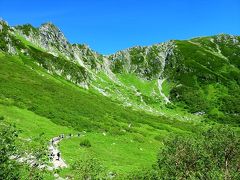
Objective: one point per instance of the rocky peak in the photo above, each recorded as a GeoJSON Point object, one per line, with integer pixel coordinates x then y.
{"type": "Point", "coordinates": [6, 34]}
{"type": "Point", "coordinates": [226, 38]}
{"type": "Point", "coordinates": [47, 37]}
{"type": "Point", "coordinates": [49, 26]}
{"type": "Point", "coordinates": [52, 32]}
{"type": "Point", "coordinates": [52, 37]}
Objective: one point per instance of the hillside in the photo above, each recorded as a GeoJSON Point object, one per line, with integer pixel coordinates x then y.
{"type": "Point", "coordinates": [124, 104]}
{"type": "Point", "coordinates": [186, 73]}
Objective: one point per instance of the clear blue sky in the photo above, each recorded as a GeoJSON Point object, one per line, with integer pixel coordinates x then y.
{"type": "Point", "coordinates": [111, 25]}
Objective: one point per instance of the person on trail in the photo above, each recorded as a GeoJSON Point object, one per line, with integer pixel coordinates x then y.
{"type": "Point", "coordinates": [70, 135]}
{"type": "Point", "coordinates": [58, 155]}
{"type": "Point", "coordinates": [50, 156]}
{"type": "Point", "coordinates": [79, 134]}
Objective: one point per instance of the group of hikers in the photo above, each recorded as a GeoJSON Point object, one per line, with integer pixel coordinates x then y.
{"type": "Point", "coordinates": [52, 156]}
{"type": "Point", "coordinates": [53, 140]}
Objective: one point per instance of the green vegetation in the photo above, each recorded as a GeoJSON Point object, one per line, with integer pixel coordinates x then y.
{"type": "Point", "coordinates": [125, 129]}
{"type": "Point", "coordinates": [51, 105]}
{"type": "Point", "coordinates": [27, 29]}
{"type": "Point", "coordinates": [207, 82]}
{"type": "Point", "coordinates": [85, 143]}
{"type": "Point", "coordinates": [60, 101]}
{"type": "Point", "coordinates": [118, 154]}
{"type": "Point", "coordinates": [10, 146]}
{"type": "Point", "coordinates": [9, 168]}
{"type": "Point", "coordinates": [88, 168]}
{"type": "Point", "coordinates": [211, 154]}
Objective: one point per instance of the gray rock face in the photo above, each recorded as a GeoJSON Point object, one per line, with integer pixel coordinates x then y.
{"type": "Point", "coordinates": [147, 62]}
{"type": "Point", "coordinates": [49, 38]}
{"type": "Point", "coordinates": [86, 57]}
{"type": "Point", "coordinates": [53, 40]}
{"type": "Point", "coordinates": [6, 38]}
{"type": "Point", "coordinates": [225, 38]}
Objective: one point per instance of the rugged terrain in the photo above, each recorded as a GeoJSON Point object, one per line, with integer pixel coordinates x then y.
{"type": "Point", "coordinates": [125, 103]}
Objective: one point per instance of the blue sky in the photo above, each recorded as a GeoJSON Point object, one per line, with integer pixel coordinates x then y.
{"type": "Point", "coordinates": [111, 25]}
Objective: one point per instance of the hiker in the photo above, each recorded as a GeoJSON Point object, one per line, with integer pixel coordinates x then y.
{"type": "Point", "coordinates": [79, 134]}
{"type": "Point", "coordinates": [70, 135]}
{"type": "Point", "coordinates": [51, 157]}
{"type": "Point", "coordinates": [58, 155]}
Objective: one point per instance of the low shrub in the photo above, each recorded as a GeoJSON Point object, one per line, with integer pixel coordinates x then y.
{"type": "Point", "coordinates": [85, 143]}
{"type": "Point", "coordinates": [138, 138]}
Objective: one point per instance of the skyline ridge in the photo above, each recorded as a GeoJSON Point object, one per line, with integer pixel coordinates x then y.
{"type": "Point", "coordinates": [108, 26]}
{"type": "Point", "coordinates": [51, 23]}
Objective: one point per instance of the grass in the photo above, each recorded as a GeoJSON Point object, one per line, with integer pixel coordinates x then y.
{"type": "Point", "coordinates": [167, 86]}
{"type": "Point", "coordinates": [31, 125]}
{"type": "Point", "coordinates": [64, 103]}
{"type": "Point", "coordinates": [119, 154]}
{"type": "Point", "coordinates": [206, 78]}
{"type": "Point", "coordinates": [123, 138]}
{"type": "Point", "coordinates": [144, 86]}
{"type": "Point", "coordinates": [38, 103]}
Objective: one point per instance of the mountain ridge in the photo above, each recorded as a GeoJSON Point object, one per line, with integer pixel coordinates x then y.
{"type": "Point", "coordinates": [144, 77]}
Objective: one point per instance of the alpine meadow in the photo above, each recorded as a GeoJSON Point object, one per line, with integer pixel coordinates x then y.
{"type": "Point", "coordinates": [170, 110]}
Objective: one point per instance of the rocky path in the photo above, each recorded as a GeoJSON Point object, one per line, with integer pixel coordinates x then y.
{"type": "Point", "coordinates": [58, 162]}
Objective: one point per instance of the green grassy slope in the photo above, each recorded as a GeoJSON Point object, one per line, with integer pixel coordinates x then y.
{"type": "Point", "coordinates": [206, 80]}
{"type": "Point", "coordinates": [63, 102]}
{"type": "Point", "coordinates": [34, 99]}
{"type": "Point", "coordinates": [200, 75]}
{"type": "Point", "coordinates": [125, 129]}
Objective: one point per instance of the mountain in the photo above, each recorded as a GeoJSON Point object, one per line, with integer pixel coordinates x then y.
{"type": "Point", "coordinates": [123, 105]}
{"type": "Point", "coordinates": [200, 75]}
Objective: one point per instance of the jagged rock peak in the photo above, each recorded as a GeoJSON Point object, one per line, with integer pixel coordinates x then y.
{"type": "Point", "coordinates": [49, 26]}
